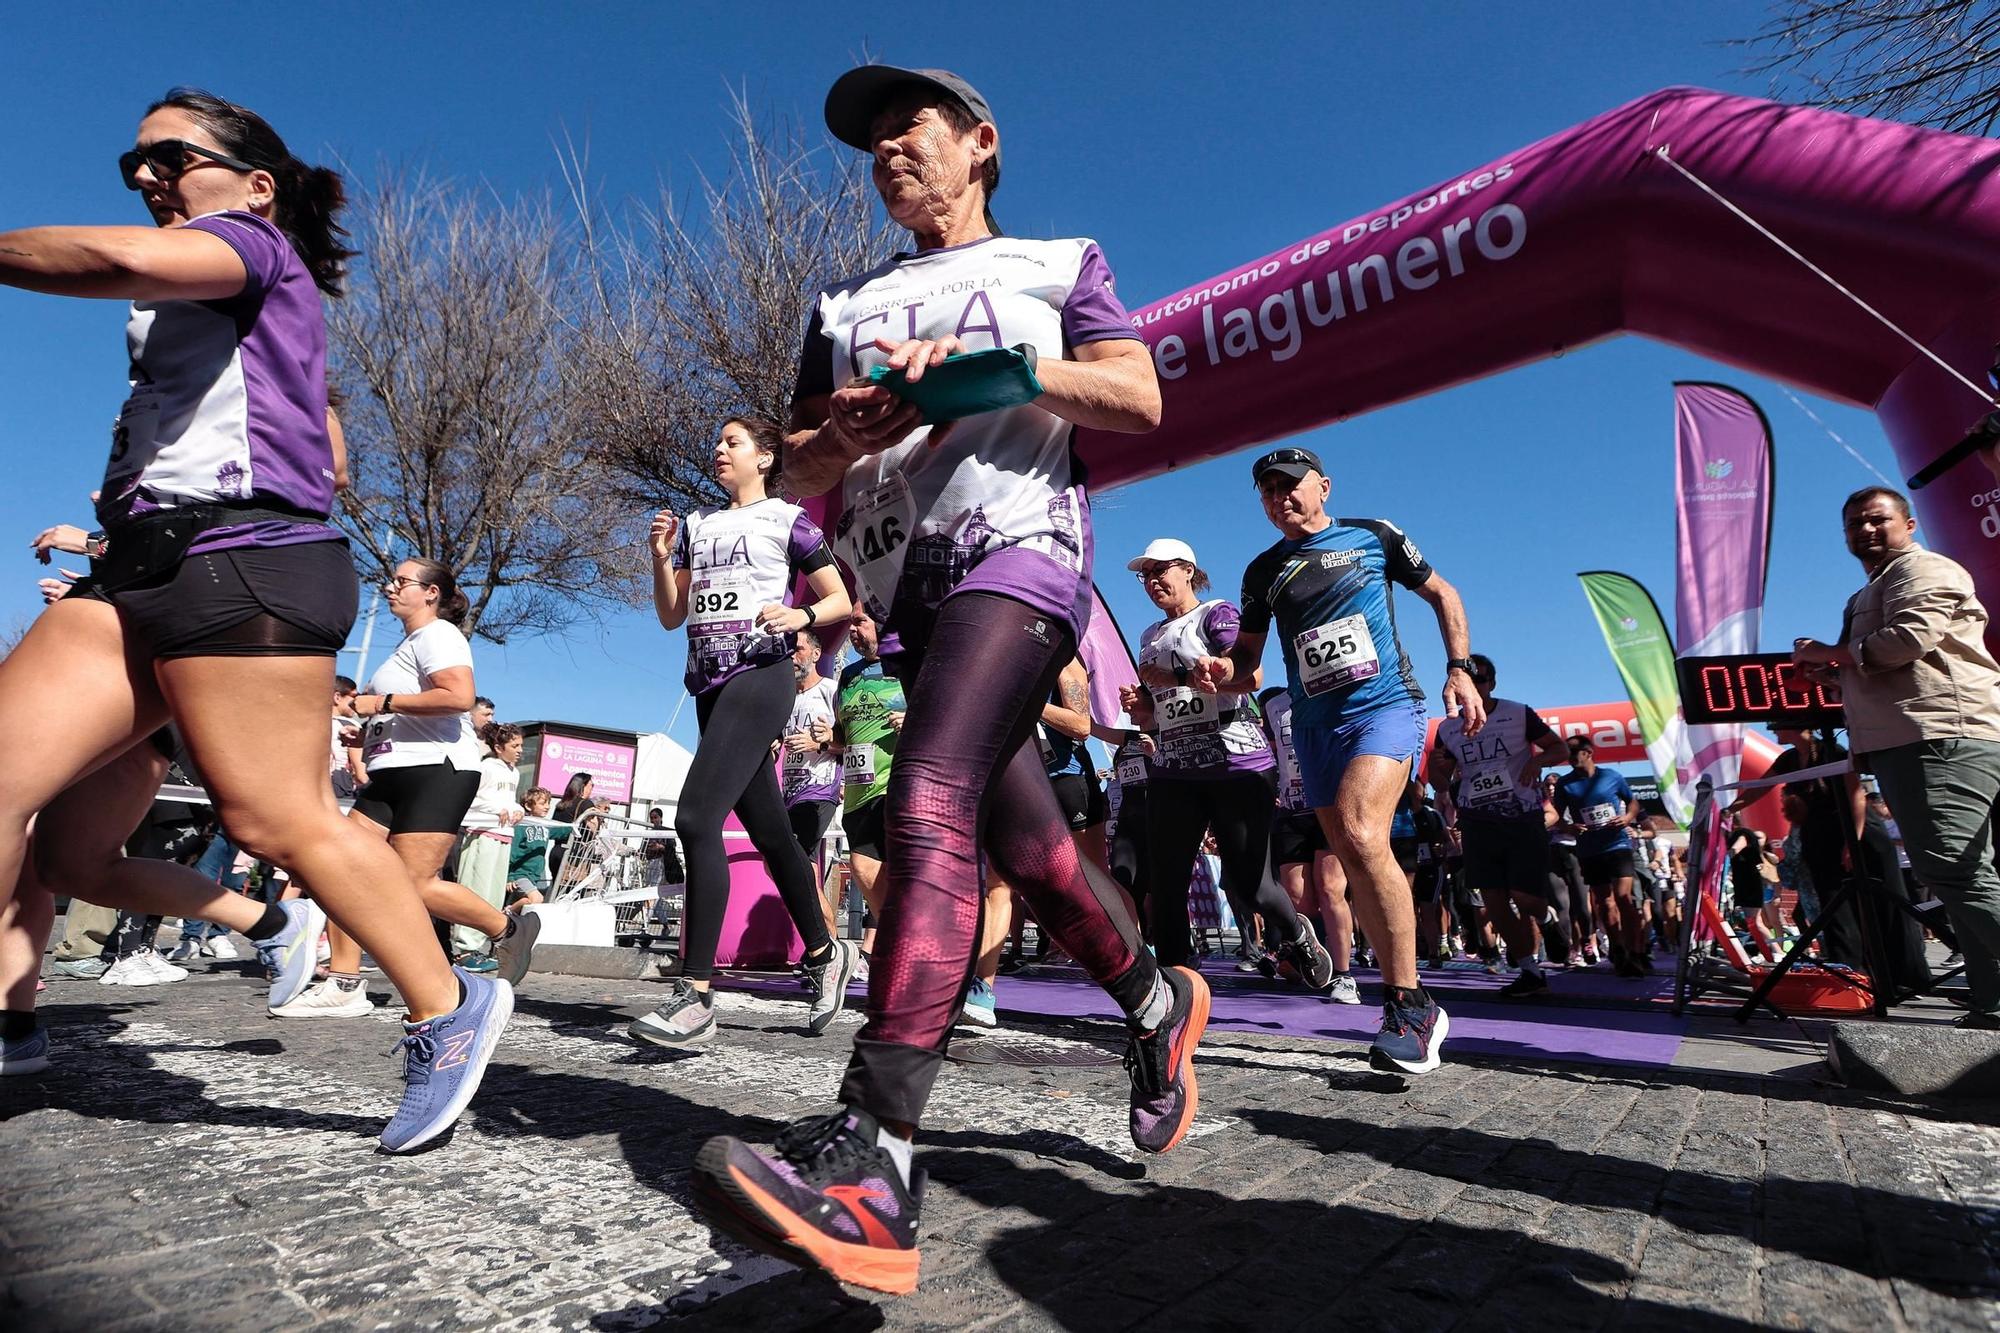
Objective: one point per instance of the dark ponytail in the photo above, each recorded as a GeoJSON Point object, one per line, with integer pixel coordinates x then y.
{"type": "Point", "coordinates": [452, 604]}
{"type": "Point", "coordinates": [309, 198]}
{"type": "Point", "coordinates": [769, 437]}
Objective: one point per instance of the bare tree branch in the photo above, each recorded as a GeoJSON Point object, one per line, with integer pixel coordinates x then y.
{"type": "Point", "coordinates": [1931, 62]}
{"type": "Point", "coordinates": [698, 314]}
{"type": "Point", "coordinates": [452, 356]}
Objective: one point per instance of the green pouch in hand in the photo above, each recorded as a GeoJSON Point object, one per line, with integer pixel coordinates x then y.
{"type": "Point", "coordinates": [968, 384]}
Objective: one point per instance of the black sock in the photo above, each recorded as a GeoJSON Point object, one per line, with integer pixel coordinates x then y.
{"type": "Point", "coordinates": [273, 921]}
{"type": "Point", "coordinates": [1415, 997]}
{"type": "Point", "coordinates": [461, 992]}
{"type": "Point", "coordinates": [815, 957]}
{"type": "Point", "coordinates": [16, 1024]}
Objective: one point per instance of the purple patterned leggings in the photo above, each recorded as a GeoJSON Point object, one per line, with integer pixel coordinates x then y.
{"type": "Point", "coordinates": [968, 779]}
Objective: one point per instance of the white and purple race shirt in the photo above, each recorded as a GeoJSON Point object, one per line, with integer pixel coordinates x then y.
{"type": "Point", "coordinates": [999, 505]}
{"type": "Point", "coordinates": [1200, 735]}
{"type": "Point", "coordinates": [740, 561]}
{"type": "Point", "coordinates": [228, 400]}
{"type": "Point", "coordinates": [812, 776]}
{"type": "Point", "coordinates": [1278, 725]}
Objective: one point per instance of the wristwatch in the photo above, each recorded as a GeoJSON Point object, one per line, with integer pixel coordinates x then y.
{"type": "Point", "coordinates": [1459, 664]}
{"type": "Point", "coordinates": [812, 615]}
{"type": "Point", "coordinates": [96, 544]}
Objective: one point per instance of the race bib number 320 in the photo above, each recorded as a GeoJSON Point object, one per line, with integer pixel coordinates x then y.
{"type": "Point", "coordinates": [1336, 654]}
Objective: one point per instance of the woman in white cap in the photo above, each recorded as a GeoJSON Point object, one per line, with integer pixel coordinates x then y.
{"type": "Point", "coordinates": [1212, 770]}
{"type": "Point", "coordinates": [971, 546]}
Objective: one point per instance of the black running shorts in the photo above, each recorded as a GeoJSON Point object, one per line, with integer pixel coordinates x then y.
{"type": "Point", "coordinates": [1082, 802]}
{"type": "Point", "coordinates": [1606, 868]}
{"type": "Point", "coordinates": [1510, 855]}
{"type": "Point", "coordinates": [863, 825]}
{"type": "Point", "coordinates": [251, 601]}
{"type": "Point", "coordinates": [1296, 838]}
{"type": "Point", "coordinates": [423, 798]}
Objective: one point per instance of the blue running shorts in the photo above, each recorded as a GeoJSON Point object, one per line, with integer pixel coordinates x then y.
{"type": "Point", "coordinates": [1325, 752]}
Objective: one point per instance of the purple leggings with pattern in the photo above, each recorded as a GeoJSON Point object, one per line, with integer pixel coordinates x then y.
{"type": "Point", "coordinates": [969, 779]}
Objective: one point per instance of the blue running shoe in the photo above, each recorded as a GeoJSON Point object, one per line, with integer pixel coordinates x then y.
{"type": "Point", "coordinates": [290, 953]}
{"type": "Point", "coordinates": [25, 1055]}
{"type": "Point", "coordinates": [978, 1009]}
{"type": "Point", "coordinates": [1411, 1037]}
{"type": "Point", "coordinates": [445, 1059]}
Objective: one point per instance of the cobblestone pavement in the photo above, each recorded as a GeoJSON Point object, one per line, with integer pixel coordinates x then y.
{"type": "Point", "coordinates": [193, 1164]}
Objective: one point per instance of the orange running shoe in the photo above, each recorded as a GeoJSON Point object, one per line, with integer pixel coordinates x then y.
{"type": "Point", "coordinates": [1161, 1063]}
{"type": "Point", "coordinates": [823, 1196]}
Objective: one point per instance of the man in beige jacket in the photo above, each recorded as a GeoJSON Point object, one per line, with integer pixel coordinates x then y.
{"type": "Point", "coordinates": [1923, 714]}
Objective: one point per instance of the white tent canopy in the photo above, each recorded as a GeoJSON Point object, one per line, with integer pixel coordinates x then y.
{"type": "Point", "coordinates": [658, 772]}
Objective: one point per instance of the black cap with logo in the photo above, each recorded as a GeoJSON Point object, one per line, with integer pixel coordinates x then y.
{"type": "Point", "coordinates": [1293, 463]}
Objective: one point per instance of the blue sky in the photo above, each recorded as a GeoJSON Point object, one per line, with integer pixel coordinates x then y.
{"type": "Point", "coordinates": [1184, 138]}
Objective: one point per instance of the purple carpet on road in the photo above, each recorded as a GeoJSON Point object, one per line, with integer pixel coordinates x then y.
{"type": "Point", "coordinates": [1568, 1029]}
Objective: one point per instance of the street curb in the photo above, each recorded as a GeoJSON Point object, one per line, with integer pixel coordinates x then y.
{"type": "Point", "coordinates": [1916, 1062]}
{"type": "Point", "coordinates": [591, 960]}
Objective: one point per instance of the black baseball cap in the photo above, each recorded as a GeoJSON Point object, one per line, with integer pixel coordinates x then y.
{"type": "Point", "coordinates": [1294, 463]}
{"type": "Point", "coordinates": [859, 95]}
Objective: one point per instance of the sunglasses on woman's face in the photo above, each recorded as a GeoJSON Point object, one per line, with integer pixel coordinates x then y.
{"type": "Point", "coordinates": [167, 159]}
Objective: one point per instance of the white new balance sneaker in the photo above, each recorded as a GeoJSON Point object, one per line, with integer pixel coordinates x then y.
{"type": "Point", "coordinates": [327, 999]}
{"type": "Point", "coordinates": [219, 947]}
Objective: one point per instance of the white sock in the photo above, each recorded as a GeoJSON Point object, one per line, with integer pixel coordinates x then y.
{"type": "Point", "coordinates": [1158, 1005]}
{"type": "Point", "coordinates": [899, 1150]}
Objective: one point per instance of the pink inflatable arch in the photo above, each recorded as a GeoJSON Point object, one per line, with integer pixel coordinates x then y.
{"type": "Point", "coordinates": [1590, 233]}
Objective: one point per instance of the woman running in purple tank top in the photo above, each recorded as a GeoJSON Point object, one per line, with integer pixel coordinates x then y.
{"type": "Point", "coordinates": [219, 593]}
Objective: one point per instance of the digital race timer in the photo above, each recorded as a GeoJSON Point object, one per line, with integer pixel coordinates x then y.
{"type": "Point", "coordinates": [1762, 688]}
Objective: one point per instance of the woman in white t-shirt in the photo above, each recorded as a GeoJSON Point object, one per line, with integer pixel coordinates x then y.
{"type": "Point", "coordinates": [423, 772]}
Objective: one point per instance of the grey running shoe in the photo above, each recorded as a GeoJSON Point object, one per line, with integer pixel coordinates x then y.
{"type": "Point", "coordinates": [83, 969]}
{"type": "Point", "coordinates": [512, 950]}
{"type": "Point", "coordinates": [685, 1018]}
{"type": "Point", "coordinates": [829, 985]}
{"type": "Point", "coordinates": [1343, 990]}
{"type": "Point", "coordinates": [1306, 957]}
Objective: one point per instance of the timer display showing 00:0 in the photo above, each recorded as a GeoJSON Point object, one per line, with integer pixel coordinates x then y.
{"type": "Point", "coordinates": [1758, 690]}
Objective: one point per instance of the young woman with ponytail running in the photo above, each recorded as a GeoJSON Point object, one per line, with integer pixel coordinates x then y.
{"type": "Point", "coordinates": [724, 574]}
{"type": "Point", "coordinates": [219, 592]}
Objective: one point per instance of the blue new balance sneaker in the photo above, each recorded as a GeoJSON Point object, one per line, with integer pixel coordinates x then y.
{"type": "Point", "coordinates": [1411, 1036]}
{"type": "Point", "coordinates": [445, 1057]}
{"type": "Point", "coordinates": [290, 953]}
{"type": "Point", "coordinates": [25, 1055]}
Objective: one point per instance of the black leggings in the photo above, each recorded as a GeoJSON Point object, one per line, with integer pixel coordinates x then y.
{"type": "Point", "coordinates": [1128, 850]}
{"type": "Point", "coordinates": [1238, 808]}
{"type": "Point", "coordinates": [1573, 932]}
{"type": "Point", "coordinates": [969, 778]}
{"type": "Point", "coordinates": [732, 769]}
